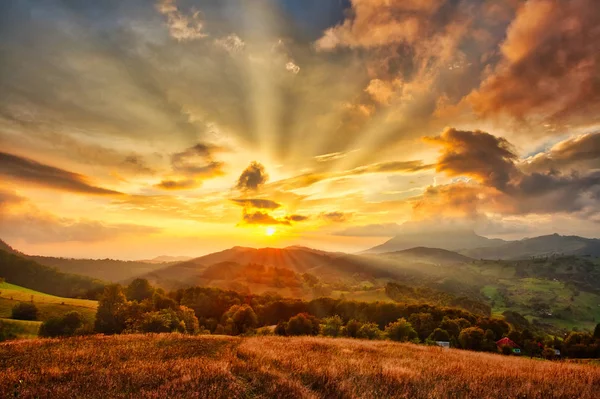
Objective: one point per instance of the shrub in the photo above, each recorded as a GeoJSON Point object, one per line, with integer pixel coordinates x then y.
{"type": "Point", "coordinates": [67, 325]}
{"type": "Point", "coordinates": [280, 328]}
{"type": "Point", "coordinates": [400, 330]}
{"type": "Point", "coordinates": [24, 311]}
{"type": "Point", "coordinates": [240, 319]}
{"type": "Point", "coordinates": [5, 334]}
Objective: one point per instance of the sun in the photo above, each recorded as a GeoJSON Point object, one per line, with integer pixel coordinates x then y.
{"type": "Point", "coordinates": [270, 231]}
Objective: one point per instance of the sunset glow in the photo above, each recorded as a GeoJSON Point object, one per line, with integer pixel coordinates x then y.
{"type": "Point", "coordinates": [141, 128]}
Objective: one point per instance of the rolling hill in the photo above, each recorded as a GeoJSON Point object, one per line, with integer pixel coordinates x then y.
{"type": "Point", "coordinates": [428, 255]}
{"type": "Point", "coordinates": [111, 270]}
{"type": "Point", "coordinates": [25, 272]}
{"type": "Point", "coordinates": [549, 245]}
{"type": "Point", "coordinates": [451, 240]}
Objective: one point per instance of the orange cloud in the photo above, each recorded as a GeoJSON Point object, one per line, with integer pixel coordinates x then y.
{"type": "Point", "coordinates": [550, 63]}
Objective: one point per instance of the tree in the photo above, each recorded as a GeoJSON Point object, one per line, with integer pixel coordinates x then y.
{"type": "Point", "coordinates": [189, 319]}
{"type": "Point", "coordinates": [332, 326]}
{"type": "Point", "coordinates": [400, 330]}
{"type": "Point", "coordinates": [597, 331]}
{"type": "Point", "coordinates": [67, 325]}
{"type": "Point", "coordinates": [471, 338]}
{"type": "Point", "coordinates": [139, 289]}
{"type": "Point", "coordinates": [351, 329]}
{"type": "Point", "coordinates": [280, 328]}
{"type": "Point", "coordinates": [111, 314]}
{"type": "Point", "coordinates": [369, 331]}
{"type": "Point", "coordinates": [240, 319]}
{"type": "Point", "coordinates": [302, 324]}
{"type": "Point", "coordinates": [439, 335]}
{"type": "Point", "coordinates": [423, 324]}
{"type": "Point", "coordinates": [24, 311]}
{"type": "Point", "coordinates": [5, 333]}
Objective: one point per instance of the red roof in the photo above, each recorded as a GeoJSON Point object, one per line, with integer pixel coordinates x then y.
{"type": "Point", "coordinates": [507, 342]}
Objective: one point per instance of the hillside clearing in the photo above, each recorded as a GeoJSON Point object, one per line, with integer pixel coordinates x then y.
{"type": "Point", "coordinates": [263, 367]}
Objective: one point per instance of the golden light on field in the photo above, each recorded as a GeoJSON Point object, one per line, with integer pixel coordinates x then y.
{"type": "Point", "coordinates": [270, 231]}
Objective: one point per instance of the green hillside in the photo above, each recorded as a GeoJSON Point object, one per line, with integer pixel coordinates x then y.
{"type": "Point", "coordinates": [25, 272]}
{"type": "Point", "coordinates": [48, 306]}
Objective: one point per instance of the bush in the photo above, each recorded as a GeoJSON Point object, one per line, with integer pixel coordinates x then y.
{"type": "Point", "coordinates": [240, 319]}
{"type": "Point", "coordinates": [351, 329]}
{"type": "Point", "coordinates": [67, 325]}
{"type": "Point", "coordinates": [24, 311]}
{"type": "Point", "coordinates": [280, 328]}
{"type": "Point", "coordinates": [400, 330]}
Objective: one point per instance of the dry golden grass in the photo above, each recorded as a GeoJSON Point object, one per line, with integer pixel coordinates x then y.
{"type": "Point", "coordinates": [176, 366]}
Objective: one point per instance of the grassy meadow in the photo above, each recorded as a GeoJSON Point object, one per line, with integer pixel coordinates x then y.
{"type": "Point", "coordinates": [172, 365]}
{"type": "Point", "coordinates": [48, 306]}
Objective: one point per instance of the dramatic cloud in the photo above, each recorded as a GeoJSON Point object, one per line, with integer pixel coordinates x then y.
{"type": "Point", "coordinates": [191, 166]}
{"type": "Point", "coordinates": [257, 203]}
{"type": "Point", "coordinates": [550, 63]}
{"type": "Point", "coordinates": [181, 26]}
{"type": "Point", "coordinates": [578, 153]}
{"type": "Point", "coordinates": [28, 170]}
{"type": "Point", "coordinates": [477, 154]}
{"type": "Point", "coordinates": [252, 178]}
{"type": "Point", "coordinates": [504, 188]}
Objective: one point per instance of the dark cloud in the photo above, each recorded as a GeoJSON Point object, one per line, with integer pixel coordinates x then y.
{"type": "Point", "coordinates": [193, 165]}
{"type": "Point", "coordinates": [177, 184]}
{"type": "Point", "coordinates": [578, 153]}
{"type": "Point", "coordinates": [336, 217]}
{"type": "Point", "coordinates": [550, 63]}
{"type": "Point", "coordinates": [257, 203]}
{"type": "Point", "coordinates": [503, 187]}
{"type": "Point", "coordinates": [296, 218]}
{"type": "Point", "coordinates": [477, 154]}
{"type": "Point", "coordinates": [198, 161]}
{"type": "Point", "coordinates": [252, 178]}
{"type": "Point", "coordinates": [24, 169]}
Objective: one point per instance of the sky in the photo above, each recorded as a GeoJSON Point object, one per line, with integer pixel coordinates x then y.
{"type": "Point", "coordinates": [132, 129]}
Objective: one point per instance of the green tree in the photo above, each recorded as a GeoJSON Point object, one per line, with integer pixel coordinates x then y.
{"type": "Point", "coordinates": [302, 324]}
{"type": "Point", "coordinates": [332, 326]}
{"type": "Point", "coordinates": [351, 328]}
{"type": "Point", "coordinates": [240, 319]}
{"type": "Point", "coordinates": [471, 338]}
{"type": "Point", "coordinates": [139, 289]}
{"type": "Point", "coordinates": [423, 324]}
{"type": "Point", "coordinates": [439, 335]}
{"type": "Point", "coordinates": [111, 314]}
{"type": "Point", "coordinates": [597, 331]}
{"type": "Point", "coordinates": [369, 331]}
{"type": "Point", "coordinates": [189, 319]}
{"type": "Point", "coordinates": [24, 311]}
{"type": "Point", "coordinates": [400, 330]}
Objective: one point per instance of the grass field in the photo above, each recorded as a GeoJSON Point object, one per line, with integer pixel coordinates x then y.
{"type": "Point", "coordinates": [21, 328]}
{"type": "Point", "coordinates": [48, 306]}
{"type": "Point", "coordinates": [172, 365]}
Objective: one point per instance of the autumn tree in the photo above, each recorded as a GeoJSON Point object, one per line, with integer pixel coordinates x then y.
{"type": "Point", "coordinates": [400, 330]}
